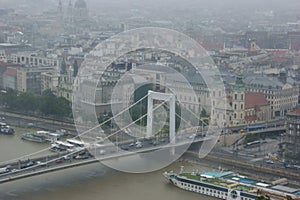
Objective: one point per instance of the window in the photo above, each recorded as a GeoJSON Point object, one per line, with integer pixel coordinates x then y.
{"type": "Point", "coordinates": [235, 106]}
{"type": "Point", "coordinates": [235, 96]}
{"type": "Point", "coordinates": [242, 107]}
{"type": "Point", "coordinates": [242, 96]}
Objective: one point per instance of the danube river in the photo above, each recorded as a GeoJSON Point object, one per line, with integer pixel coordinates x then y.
{"type": "Point", "coordinates": [92, 182]}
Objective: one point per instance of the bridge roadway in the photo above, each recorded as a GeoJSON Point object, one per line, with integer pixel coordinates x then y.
{"type": "Point", "coordinates": [269, 130]}
{"type": "Point", "coordinates": [46, 164]}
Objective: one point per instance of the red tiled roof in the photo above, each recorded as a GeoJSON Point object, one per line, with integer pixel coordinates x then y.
{"type": "Point", "coordinates": [277, 51]}
{"type": "Point", "coordinates": [296, 111]}
{"type": "Point", "coordinates": [11, 72]}
{"type": "Point", "coordinates": [255, 100]}
{"type": "Point", "coordinates": [209, 46]}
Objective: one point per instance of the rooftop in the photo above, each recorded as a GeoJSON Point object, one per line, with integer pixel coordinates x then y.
{"type": "Point", "coordinates": [255, 100]}
{"type": "Point", "coordinates": [10, 72]}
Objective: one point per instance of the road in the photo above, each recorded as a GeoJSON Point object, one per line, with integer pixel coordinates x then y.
{"type": "Point", "coordinates": [34, 166]}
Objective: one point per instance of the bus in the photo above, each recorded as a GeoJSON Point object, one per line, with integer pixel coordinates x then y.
{"type": "Point", "coordinates": [76, 143]}
{"type": "Point", "coordinates": [59, 146]}
{"type": "Point", "coordinates": [250, 144]}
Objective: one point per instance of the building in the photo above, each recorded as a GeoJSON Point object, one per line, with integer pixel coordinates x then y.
{"type": "Point", "coordinates": [29, 78]}
{"type": "Point", "coordinates": [281, 92]}
{"type": "Point", "coordinates": [35, 60]}
{"type": "Point", "coordinates": [80, 12]}
{"type": "Point", "coordinates": [238, 101]}
{"type": "Point", "coordinates": [293, 132]}
{"type": "Point", "coordinates": [3, 67]}
{"type": "Point", "coordinates": [10, 79]}
{"type": "Point", "coordinates": [50, 81]}
{"type": "Point", "coordinates": [257, 108]}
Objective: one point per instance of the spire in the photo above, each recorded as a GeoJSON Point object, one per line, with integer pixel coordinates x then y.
{"type": "Point", "coordinates": [63, 69]}
{"type": "Point", "coordinates": [70, 12]}
{"type": "Point", "coordinates": [60, 10]}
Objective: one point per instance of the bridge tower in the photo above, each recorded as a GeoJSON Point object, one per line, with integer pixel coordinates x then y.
{"type": "Point", "coordinates": [164, 97]}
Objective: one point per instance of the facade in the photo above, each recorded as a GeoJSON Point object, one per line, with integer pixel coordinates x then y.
{"type": "Point", "coordinates": [29, 78]}
{"type": "Point", "coordinates": [293, 132]}
{"type": "Point", "coordinates": [257, 108]}
{"type": "Point", "coordinates": [10, 79]}
{"type": "Point", "coordinates": [238, 101]}
{"type": "Point", "coordinates": [35, 60]}
{"type": "Point", "coordinates": [281, 92]}
{"type": "Point", "coordinates": [50, 81]}
{"type": "Point", "coordinates": [65, 87]}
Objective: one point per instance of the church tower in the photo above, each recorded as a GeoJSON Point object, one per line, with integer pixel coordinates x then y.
{"type": "Point", "coordinates": [238, 100]}
{"type": "Point", "coordinates": [80, 12]}
{"type": "Point", "coordinates": [60, 11]}
{"type": "Point", "coordinates": [70, 13]}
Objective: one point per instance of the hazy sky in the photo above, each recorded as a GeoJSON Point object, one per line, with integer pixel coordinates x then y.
{"type": "Point", "coordinates": [159, 6]}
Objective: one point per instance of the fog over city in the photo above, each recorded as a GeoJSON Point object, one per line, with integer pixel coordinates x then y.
{"type": "Point", "coordinates": [149, 99]}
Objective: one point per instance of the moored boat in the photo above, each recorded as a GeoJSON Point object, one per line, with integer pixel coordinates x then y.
{"type": "Point", "coordinates": [6, 129]}
{"type": "Point", "coordinates": [230, 186]}
{"type": "Point", "coordinates": [38, 136]}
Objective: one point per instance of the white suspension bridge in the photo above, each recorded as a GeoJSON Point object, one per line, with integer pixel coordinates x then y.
{"type": "Point", "coordinates": [32, 164]}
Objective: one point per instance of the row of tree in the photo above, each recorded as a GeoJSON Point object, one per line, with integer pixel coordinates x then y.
{"type": "Point", "coordinates": [45, 104]}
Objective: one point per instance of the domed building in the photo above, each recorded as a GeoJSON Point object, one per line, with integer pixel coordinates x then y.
{"type": "Point", "coordinates": [80, 11]}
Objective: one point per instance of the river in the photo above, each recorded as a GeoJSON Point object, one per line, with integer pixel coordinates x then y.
{"type": "Point", "coordinates": [92, 182]}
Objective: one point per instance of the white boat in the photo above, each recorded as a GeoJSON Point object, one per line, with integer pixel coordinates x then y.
{"type": "Point", "coordinates": [229, 186]}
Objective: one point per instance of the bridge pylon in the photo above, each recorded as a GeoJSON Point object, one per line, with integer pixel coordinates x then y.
{"type": "Point", "coordinates": [164, 97]}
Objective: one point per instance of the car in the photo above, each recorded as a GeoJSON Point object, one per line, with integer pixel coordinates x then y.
{"type": "Point", "coordinates": [66, 157]}
{"type": "Point", "coordinates": [162, 140]}
{"type": "Point", "coordinates": [82, 157]}
{"type": "Point", "coordinates": [102, 152]}
{"type": "Point", "coordinates": [90, 155]}
{"type": "Point", "coordinates": [131, 144]}
{"type": "Point", "coordinates": [40, 163]}
{"type": "Point", "coordinates": [81, 153]}
{"type": "Point", "coordinates": [30, 125]}
{"type": "Point", "coordinates": [125, 148]}
{"type": "Point", "coordinates": [192, 136]}
{"type": "Point", "coordinates": [59, 161]}
{"type": "Point", "coordinates": [269, 162]}
{"type": "Point", "coordinates": [28, 164]}
{"type": "Point", "coordinates": [139, 146]}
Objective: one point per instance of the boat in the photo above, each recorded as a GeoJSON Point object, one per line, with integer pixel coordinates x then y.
{"type": "Point", "coordinates": [230, 186]}
{"type": "Point", "coordinates": [6, 129]}
{"type": "Point", "coordinates": [38, 136]}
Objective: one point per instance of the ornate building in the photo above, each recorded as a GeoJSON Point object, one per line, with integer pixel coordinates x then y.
{"type": "Point", "coordinates": [293, 132]}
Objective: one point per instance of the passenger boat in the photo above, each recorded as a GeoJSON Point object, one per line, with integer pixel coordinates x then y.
{"type": "Point", "coordinates": [230, 186]}
{"type": "Point", "coordinates": [6, 129]}
{"type": "Point", "coordinates": [38, 136]}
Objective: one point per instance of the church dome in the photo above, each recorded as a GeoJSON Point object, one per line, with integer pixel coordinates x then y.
{"type": "Point", "coordinates": [282, 71]}
{"type": "Point", "coordinates": [80, 4]}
